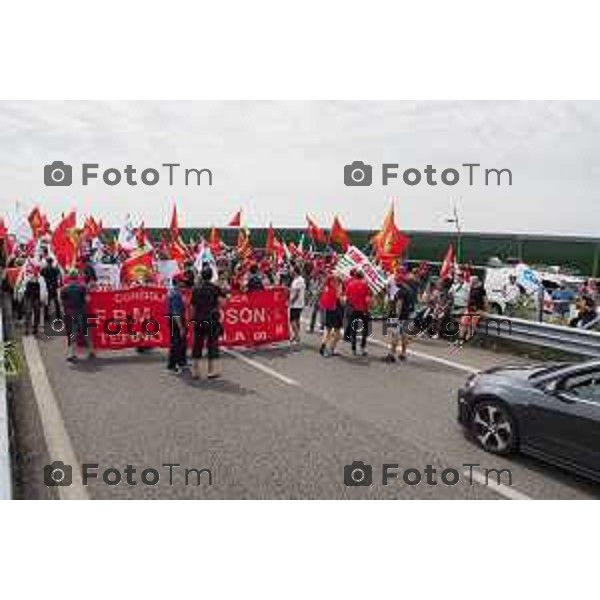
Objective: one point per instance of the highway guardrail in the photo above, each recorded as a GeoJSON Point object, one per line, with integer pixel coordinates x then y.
{"type": "Point", "coordinates": [556, 337]}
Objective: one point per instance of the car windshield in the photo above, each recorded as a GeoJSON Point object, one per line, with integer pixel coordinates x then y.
{"type": "Point", "coordinates": [546, 370]}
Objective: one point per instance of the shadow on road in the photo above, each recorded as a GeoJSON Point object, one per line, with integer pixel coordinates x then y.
{"type": "Point", "coordinates": [220, 385]}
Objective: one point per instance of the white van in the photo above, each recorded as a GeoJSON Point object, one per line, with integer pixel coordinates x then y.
{"type": "Point", "coordinates": [495, 281]}
{"type": "Point", "coordinates": [528, 279]}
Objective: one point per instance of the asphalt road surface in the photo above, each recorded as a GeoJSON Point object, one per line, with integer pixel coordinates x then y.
{"type": "Point", "coordinates": [280, 423]}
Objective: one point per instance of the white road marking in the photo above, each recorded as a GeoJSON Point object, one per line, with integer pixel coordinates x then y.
{"type": "Point", "coordinates": [430, 357]}
{"type": "Point", "coordinates": [260, 367]}
{"type": "Point", "coordinates": [56, 436]}
{"type": "Point", "coordinates": [504, 490]}
{"type": "Point", "coordinates": [499, 488]}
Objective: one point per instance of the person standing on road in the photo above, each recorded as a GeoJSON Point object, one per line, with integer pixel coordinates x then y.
{"type": "Point", "coordinates": [73, 298]}
{"type": "Point", "coordinates": [34, 297]}
{"type": "Point", "coordinates": [206, 301]}
{"type": "Point", "coordinates": [400, 309]}
{"type": "Point", "coordinates": [175, 311]}
{"type": "Point", "coordinates": [53, 278]}
{"type": "Point", "coordinates": [330, 302]}
{"type": "Point", "coordinates": [358, 298]}
{"type": "Point", "coordinates": [476, 306]}
{"type": "Point", "coordinates": [297, 300]}
{"type": "Point", "coordinates": [316, 287]}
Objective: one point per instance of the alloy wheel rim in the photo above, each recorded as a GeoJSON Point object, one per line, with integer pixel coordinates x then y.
{"type": "Point", "coordinates": [492, 428]}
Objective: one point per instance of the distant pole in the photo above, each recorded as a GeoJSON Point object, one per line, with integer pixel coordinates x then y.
{"type": "Point", "coordinates": [456, 220]}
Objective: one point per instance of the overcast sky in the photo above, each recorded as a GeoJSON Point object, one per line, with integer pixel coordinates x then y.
{"type": "Point", "coordinates": [281, 160]}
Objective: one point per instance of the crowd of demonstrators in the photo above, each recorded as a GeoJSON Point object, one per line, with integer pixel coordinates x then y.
{"type": "Point", "coordinates": [338, 307]}
{"type": "Point", "coordinates": [335, 304]}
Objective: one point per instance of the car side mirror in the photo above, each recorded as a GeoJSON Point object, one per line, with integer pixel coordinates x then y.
{"type": "Point", "coordinates": [551, 387]}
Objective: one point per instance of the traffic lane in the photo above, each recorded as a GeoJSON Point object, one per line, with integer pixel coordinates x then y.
{"type": "Point", "coordinates": [260, 437]}
{"type": "Point", "coordinates": [416, 401]}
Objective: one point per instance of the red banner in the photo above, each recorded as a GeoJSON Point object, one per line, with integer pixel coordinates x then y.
{"type": "Point", "coordinates": [136, 317]}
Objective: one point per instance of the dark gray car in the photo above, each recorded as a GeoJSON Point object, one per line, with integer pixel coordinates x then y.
{"type": "Point", "coordinates": [551, 411]}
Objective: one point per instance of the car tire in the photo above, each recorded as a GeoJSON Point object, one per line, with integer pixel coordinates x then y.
{"type": "Point", "coordinates": [493, 427]}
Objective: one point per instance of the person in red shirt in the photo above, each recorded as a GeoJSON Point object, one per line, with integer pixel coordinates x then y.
{"type": "Point", "coordinates": [330, 304]}
{"type": "Point", "coordinates": [358, 298]}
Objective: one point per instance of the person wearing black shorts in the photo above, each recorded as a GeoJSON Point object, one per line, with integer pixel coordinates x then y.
{"type": "Point", "coordinates": [206, 301]}
{"type": "Point", "coordinates": [400, 309]}
{"type": "Point", "coordinates": [331, 304]}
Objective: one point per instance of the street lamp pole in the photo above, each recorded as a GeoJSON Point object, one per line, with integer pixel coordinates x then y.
{"type": "Point", "coordinates": [456, 220]}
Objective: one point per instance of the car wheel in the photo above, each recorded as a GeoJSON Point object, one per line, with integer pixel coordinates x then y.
{"type": "Point", "coordinates": [493, 427]}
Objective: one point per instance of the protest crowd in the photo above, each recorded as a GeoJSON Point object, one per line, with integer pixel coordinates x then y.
{"type": "Point", "coordinates": [56, 275]}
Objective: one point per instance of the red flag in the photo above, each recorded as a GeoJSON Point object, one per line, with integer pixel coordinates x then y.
{"type": "Point", "coordinates": [315, 232]}
{"type": "Point", "coordinates": [163, 246]}
{"type": "Point", "coordinates": [243, 244]}
{"type": "Point", "coordinates": [177, 251]}
{"type": "Point", "coordinates": [390, 240]}
{"type": "Point", "coordinates": [448, 264]}
{"type": "Point", "coordinates": [37, 222]}
{"type": "Point", "coordinates": [174, 227]}
{"type": "Point", "coordinates": [278, 249]}
{"type": "Point", "coordinates": [236, 220]}
{"type": "Point", "coordinates": [137, 267]}
{"type": "Point", "coordinates": [389, 243]}
{"type": "Point", "coordinates": [91, 229]}
{"type": "Point", "coordinates": [9, 245]}
{"type": "Point", "coordinates": [339, 235]}
{"type": "Point", "coordinates": [141, 236]}
{"type": "Point", "coordinates": [65, 241]}
{"type": "Point", "coordinates": [12, 274]}
{"type": "Point", "coordinates": [214, 241]}
{"type": "Point", "coordinates": [270, 243]}
{"type": "Point", "coordinates": [3, 229]}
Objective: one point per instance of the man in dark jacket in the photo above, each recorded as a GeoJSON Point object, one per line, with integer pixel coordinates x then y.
{"type": "Point", "coordinates": [33, 299]}
{"type": "Point", "coordinates": [206, 301]}
{"type": "Point", "coordinates": [175, 310]}
{"type": "Point", "coordinates": [73, 297]}
{"type": "Point", "coordinates": [53, 278]}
